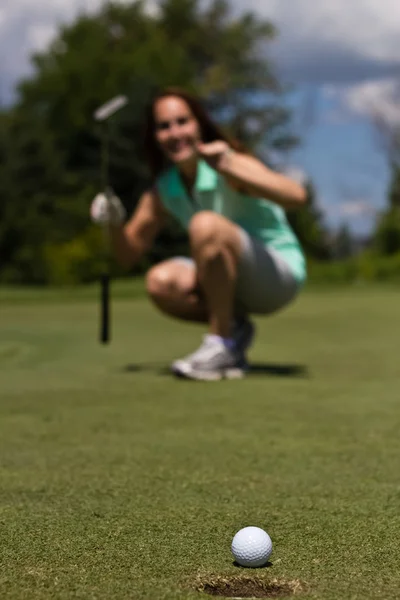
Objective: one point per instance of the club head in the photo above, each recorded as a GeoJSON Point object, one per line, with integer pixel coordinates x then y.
{"type": "Point", "coordinates": [109, 108]}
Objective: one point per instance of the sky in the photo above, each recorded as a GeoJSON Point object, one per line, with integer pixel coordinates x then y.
{"type": "Point", "coordinates": [341, 58]}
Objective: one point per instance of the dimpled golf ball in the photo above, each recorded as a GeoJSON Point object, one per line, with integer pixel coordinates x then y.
{"type": "Point", "coordinates": [251, 547]}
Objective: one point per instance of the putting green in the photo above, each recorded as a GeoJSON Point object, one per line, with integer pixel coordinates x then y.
{"type": "Point", "coordinates": [118, 481]}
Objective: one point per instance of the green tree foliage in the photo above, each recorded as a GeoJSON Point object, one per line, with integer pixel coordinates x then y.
{"type": "Point", "coordinates": [387, 235]}
{"type": "Point", "coordinates": [308, 226]}
{"type": "Point", "coordinates": [343, 246]}
{"type": "Point", "coordinates": [50, 145]}
{"type": "Point", "coordinates": [394, 187]}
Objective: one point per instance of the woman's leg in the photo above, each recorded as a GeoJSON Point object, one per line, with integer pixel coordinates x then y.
{"type": "Point", "coordinates": [237, 275]}
{"type": "Point", "coordinates": [203, 291]}
{"type": "Point", "coordinates": [173, 287]}
{"type": "Point", "coordinates": [216, 249]}
{"type": "Point", "coordinates": [266, 283]}
{"type": "Point", "coordinates": [216, 246]}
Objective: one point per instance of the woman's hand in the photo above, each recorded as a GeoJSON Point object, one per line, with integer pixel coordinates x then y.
{"type": "Point", "coordinates": [214, 153]}
{"type": "Point", "coordinates": [250, 176]}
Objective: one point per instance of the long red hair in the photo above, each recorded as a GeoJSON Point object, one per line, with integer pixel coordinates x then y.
{"type": "Point", "coordinates": [209, 130]}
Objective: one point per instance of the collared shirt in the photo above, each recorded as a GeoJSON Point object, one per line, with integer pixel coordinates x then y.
{"type": "Point", "coordinates": [260, 218]}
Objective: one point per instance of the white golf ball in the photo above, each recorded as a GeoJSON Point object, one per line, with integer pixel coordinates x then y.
{"type": "Point", "coordinates": [251, 547]}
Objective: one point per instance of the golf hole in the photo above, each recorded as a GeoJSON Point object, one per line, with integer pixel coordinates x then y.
{"type": "Point", "coordinates": [237, 587]}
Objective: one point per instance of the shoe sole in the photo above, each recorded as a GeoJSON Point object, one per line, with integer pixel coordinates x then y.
{"type": "Point", "coordinates": [229, 373]}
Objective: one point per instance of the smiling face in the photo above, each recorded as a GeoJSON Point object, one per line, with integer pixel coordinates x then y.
{"type": "Point", "coordinates": [176, 129]}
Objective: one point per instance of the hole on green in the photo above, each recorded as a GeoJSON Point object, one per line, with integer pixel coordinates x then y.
{"type": "Point", "coordinates": [248, 587]}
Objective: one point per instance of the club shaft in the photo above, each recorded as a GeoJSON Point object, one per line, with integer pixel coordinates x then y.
{"type": "Point", "coordinates": [105, 308]}
{"type": "Point", "coordinates": [105, 157]}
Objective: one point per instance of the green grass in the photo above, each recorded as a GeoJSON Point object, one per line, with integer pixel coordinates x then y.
{"type": "Point", "coordinates": [119, 482]}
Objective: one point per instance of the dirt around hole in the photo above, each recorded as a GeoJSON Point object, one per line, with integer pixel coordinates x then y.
{"type": "Point", "coordinates": [243, 586]}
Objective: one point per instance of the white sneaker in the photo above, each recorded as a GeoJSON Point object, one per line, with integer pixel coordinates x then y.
{"type": "Point", "coordinates": [211, 362]}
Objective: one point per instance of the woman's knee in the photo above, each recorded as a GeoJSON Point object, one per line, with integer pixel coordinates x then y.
{"type": "Point", "coordinates": [159, 282]}
{"type": "Point", "coordinates": [214, 234]}
{"type": "Point", "coordinates": [165, 281]}
{"type": "Point", "coordinates": [205, 226]}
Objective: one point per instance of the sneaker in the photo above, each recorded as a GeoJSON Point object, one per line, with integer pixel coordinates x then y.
{"type": "Point", "coordinates": [211, 362]}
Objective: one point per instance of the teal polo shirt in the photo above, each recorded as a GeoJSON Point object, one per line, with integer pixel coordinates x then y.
{"type": "Point", "coordinates": [262, 219]}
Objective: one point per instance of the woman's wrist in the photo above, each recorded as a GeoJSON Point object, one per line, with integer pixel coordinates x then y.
{"type": "Point", "coordinates": [226, 158]}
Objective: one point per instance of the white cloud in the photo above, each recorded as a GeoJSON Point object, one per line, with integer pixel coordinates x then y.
{"type": "Point", "coordinates": [375, 99]}
{"type": "Point", "coordinates": [40, 35]}
{"type": "Point", "coordinates": [359, 214]}
{"type": "Point", "coordinates": [357, 208]}
{"type": "Point", "coordinates": [334, 41]}
{"type": "Point", "coordinates": [319, 42]}
{"type": "Point", "coordinates": [378, 100]}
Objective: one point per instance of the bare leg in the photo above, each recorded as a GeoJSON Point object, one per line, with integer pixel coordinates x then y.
{"type": "Point", "coordinates": [173, 287]}
{"type": "Point", "coordinates": [188, 291]}
{"type": "Point", "coordinates": [216, 247]}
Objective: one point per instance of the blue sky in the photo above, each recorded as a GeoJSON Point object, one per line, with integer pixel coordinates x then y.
{"type": "Point", "coordinates": [342, 154]}
{"type": "Point", "coordinates": [342, 58]}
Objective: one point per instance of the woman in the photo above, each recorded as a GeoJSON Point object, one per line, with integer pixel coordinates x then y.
{"type": "Point", "coordinates": [245, 259]}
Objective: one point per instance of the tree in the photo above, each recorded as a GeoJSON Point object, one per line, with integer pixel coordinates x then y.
{"type": "Point", "coordinates": [52, 144]}
{"type": "Point", "coordinates": [394, 186]}
{"type": "Point", "coordinates": [308, 226]}
{"type": "Point", "coordinates": [344, 242]}
{"type": "Point", "coordinates": [387, 236]}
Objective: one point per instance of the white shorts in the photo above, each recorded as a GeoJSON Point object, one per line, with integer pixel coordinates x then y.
{"type": "Point", "coordinates": [265, 281]}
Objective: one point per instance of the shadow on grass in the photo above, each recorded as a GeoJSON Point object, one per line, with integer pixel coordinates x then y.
{"type": "Point", "coordinates": [278, 369]}
{"type": "Point", "coordinates": [155, 367]}
{"type": "Point", "coordinates": [256, 368]}
{"type": "Point", "coordinates": [266, 566]}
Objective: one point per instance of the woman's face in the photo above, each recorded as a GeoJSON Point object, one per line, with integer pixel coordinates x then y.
{"type": "Point", "coordinates": [176, 129]}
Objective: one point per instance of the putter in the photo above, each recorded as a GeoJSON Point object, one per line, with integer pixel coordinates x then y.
{"type": "Point", "coordinates": [102, 114]}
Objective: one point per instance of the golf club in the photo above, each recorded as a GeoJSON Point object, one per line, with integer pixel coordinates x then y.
{"type": "Point", "coordinates": [102, 114]}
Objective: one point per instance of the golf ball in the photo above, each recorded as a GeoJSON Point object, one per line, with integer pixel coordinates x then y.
{"type": "Point", "coordinates": [251, 547]}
